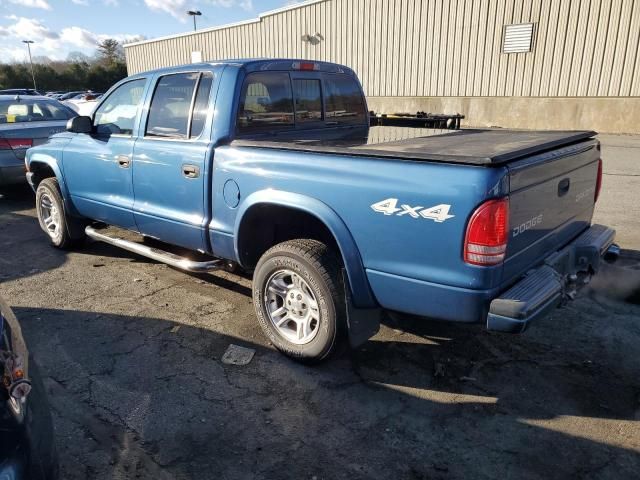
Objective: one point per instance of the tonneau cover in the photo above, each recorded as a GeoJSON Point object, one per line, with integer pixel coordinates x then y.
{"type": "Point", "coordinates": [467, 146]}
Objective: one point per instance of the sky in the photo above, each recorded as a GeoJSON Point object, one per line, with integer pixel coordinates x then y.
{"type": "Point", "coordinates": [59, 27]}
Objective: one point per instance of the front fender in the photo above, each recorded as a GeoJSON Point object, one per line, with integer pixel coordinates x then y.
{"type": "Point", "coordinates": [359, 286]}
{"type": "Point", "coordinates": [49, 159]}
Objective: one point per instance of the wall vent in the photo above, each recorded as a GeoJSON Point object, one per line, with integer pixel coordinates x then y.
{"type": "Point", "coordinates": [518, 38]}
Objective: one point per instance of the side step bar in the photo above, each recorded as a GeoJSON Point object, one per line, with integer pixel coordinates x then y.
{"type": "Point", "coordinates": [156, 254]}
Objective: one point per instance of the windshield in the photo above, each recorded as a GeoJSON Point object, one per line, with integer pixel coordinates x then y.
{"type": "Point", "coordinates": [14, 111]}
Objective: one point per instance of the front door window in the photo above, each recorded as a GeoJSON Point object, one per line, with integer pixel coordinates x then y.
{"type": "Point", "coordinates": [117, 114]}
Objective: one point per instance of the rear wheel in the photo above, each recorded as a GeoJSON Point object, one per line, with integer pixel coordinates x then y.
{"type": "Point", "coordinates": [298, 296]}
{"type": "Point", "coordinates": [64, 231]}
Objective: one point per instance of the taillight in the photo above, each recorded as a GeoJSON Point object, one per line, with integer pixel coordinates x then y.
{"type": "Point", "coordinates": [487, 233]}
{"type": "Point", "coordinates": [15, 143]}
{"type": "Point", "coordinates": [598, 181]}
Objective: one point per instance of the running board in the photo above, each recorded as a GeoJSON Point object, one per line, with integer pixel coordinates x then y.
{"type": "Point", "coordinates": [156, 254]}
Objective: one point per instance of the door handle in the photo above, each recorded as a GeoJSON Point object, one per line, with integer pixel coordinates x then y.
{"type": "Point", "coordinates": [563, 187]}
{"type": "Point", "coordinates": [190, 171]}
{"type": "Point", "coordinates": [124, 161]}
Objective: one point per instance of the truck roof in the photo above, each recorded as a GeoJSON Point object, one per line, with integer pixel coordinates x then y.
{"type": "Point", "coordinates": [254, 64]}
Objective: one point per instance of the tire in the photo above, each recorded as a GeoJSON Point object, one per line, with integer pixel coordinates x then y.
{"type": "Point", "coordinates": [31, 428]}
{"type": "Point", "coordinates": [43, 464]}
{"type": "Point", "coordinates": [63, 230]}
{"type": "Point", "coordinates": [303, 277]}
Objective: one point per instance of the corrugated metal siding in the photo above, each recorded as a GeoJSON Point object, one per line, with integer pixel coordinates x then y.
{"type": "Point", "coordinates": [438, 47]}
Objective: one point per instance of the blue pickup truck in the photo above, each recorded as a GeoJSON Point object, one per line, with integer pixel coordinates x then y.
{"type": "Point", "coordinates": [272, 165]}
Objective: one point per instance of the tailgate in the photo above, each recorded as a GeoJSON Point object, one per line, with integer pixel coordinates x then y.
{"type": "Point", "coordinates": [552, 197]}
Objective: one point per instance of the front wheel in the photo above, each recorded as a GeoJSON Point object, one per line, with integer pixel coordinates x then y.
{"type": "Point", "coordinates": [63, 230]}
{"type": "Point", "coordinates": [298, 295]}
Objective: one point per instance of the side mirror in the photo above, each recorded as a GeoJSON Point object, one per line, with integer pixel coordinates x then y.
{"type": "Point", "coordinates": [80, 125]}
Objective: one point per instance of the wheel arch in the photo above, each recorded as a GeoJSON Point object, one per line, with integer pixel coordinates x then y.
{"type": "Point", "coordinates": [309, 217]}
{"type": "Point", "coordinates": [43, 166]}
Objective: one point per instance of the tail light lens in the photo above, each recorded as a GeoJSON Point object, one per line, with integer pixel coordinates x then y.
{"type": "Point", "coordinates": [487, 233]}
{"type": "Point", "coordinates": [15, 143]}
{"type": "Point", "coordinates": [598, 181]}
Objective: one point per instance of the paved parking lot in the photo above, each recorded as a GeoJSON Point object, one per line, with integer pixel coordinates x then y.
{"type": "Point", "coordinates": [131, 350]}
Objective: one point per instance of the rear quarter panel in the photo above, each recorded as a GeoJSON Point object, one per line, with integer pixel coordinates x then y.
{"type": "Point", "coordinates": [417, 248]}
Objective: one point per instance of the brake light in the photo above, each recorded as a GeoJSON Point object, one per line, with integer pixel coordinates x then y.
{"type": "Point", "coordinates": [305, 66]}
{"type": "Point", "coordinates": [598, 181]}
{"type": "Point", "coordinates": [15, 143]}
{"type": "Point", "coordinates": [487, 233]}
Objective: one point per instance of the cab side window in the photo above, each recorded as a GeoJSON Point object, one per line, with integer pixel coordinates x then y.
{"type": "Point", "coordinates": [170, 107]}
{"type": "Point", "coordinates": [266, 103]}
{"type": "Point", "coordinates": [117, 114]}
{"type": "Point", "coordinates": [170, 113]}
{"type": "Point", "coordinates": [201, 105]}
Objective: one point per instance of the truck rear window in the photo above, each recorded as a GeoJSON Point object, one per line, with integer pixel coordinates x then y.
{"type": "Point", "coordinates": [273, 101]}
{"type": "Point", "coordinates": [266, 103]}
{"type": "Point", "coordinates": [345, 104]}
{"type": "Point", "coordinates": [308, 100]}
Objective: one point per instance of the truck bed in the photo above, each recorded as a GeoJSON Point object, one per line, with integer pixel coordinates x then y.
{"type": "Point", "coordinates": [486, 147]}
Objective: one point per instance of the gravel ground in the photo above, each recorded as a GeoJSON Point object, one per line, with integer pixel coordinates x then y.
{"type": "Point", "coordinates": [131, 352]}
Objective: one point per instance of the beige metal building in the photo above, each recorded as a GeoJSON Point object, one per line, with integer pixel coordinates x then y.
{"type": "Point", "coordinates": [553, 64]}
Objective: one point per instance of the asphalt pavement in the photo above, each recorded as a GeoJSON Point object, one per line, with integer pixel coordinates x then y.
{"type": "Point", "coordinates": [132, 351]}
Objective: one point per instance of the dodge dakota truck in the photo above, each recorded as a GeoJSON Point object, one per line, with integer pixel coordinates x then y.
{"type": "Point", "coordinates": [272, 165]}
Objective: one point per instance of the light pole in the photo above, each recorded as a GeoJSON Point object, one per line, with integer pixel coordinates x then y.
{"type": "Point", "coordinates": [194, 14]}
{"type": "Point", "coordinates": [33, 75]}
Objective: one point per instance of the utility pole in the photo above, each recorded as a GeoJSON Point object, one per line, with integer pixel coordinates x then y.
{"type": "Point", "coordinates": [33, 75]}
{"type": "Point", "coordinates": [194, 14]}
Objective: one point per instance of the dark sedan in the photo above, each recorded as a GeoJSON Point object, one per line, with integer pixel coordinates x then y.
{"type": "Point", "coordinates": [27, 448]}
{"type": "Point", "coordinates": [19, 91]}
{"type": "Point", "coordinates": [26, 122]}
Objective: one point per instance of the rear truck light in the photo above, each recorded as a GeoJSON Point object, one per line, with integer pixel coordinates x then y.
{"type": "Point", "coordinates": [15, 143]}
{"type": "Point", "coordinates": [487, 234]}
{"type": "Point", "coordinates": [598, 181]}
{"type": "Point", "coordinates": [305, 66]}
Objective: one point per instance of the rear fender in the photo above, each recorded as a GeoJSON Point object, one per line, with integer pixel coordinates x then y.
{"type": "Point", "coordinates": [359, 286]}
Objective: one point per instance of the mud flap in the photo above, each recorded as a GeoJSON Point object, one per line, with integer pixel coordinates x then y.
{"type": "Point", "coordinates": [363, 323]}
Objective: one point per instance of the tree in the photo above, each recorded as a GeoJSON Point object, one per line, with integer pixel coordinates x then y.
{"type": "Point", "coordinates": [78, 57]}
{"type": "Point", "coordinates": [110, 51]}
{"type": "Point", "coordinates": [78, 72]}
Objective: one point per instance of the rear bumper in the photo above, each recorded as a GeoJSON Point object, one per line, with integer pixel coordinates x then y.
{"type": "Point", "coordinates": [543, 288]}
{"type": "Point", "coordinates": [12, 175]}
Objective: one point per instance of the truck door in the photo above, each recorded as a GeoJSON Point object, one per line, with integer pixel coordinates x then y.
{"type": "Point", "coordinates": [170, 169]}
{"type": "Point", "coordinates": [97, 166]}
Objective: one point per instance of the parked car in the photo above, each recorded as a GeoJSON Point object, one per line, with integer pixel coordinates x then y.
{"type": "Point", "coordinates": [20, 91]}
{"type": "Point", "coordinates": [25, 122]}
{"type": "Point", "coordinates": [27, 447]}
{"type": "Point", "coordinates": [84, 103]}
{"type": "Point", "coordinates": [70, 95]}
{"type": "Point", "coordinates": [337, 223]}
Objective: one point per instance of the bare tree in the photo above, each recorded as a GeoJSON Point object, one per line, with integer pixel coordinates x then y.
{"type": "Point", "coordinates": [110, 51]}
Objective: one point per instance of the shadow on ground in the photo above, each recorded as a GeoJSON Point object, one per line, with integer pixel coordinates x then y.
{"type": "Point", "coordinates": [136, 396]}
